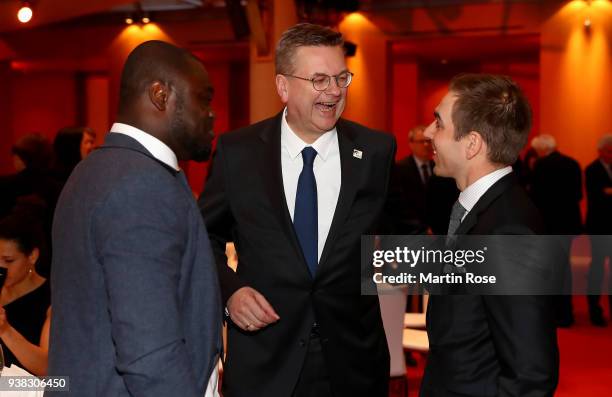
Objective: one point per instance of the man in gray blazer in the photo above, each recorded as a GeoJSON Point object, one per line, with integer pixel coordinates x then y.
{"type": "Point", "coordinates": [136, 304]}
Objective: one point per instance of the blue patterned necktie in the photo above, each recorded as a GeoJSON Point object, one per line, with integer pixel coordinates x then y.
{"type": "Point", "coordinates": [305, 219]}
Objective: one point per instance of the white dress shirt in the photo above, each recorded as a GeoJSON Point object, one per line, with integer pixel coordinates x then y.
{"type": "Point", "coordinates": [326, 169]}
{"type": "Point", "coordinates": [157, 148]}
{"type": "Point", "coordinates": [163, 153]}
{"type": "Point", "coordinates": [471, 194]}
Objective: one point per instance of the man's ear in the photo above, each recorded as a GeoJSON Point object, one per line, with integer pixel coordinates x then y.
{"type": "Point", "coordinates": [475, 144]}
{"type": "Point", "coordinates": [282, 88]}
{"type": "Point", "coordinates": [158, 95]}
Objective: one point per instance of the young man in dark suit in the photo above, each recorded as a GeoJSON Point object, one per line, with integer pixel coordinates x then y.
{"type": "Point", "coordinates": [136, 301]}
{"type": "Point", "coordinates": [598, 177]}
{"type": "Point", "coordinates": [487, 345]}
{"type": "Point", "coordinates": [295, 193]}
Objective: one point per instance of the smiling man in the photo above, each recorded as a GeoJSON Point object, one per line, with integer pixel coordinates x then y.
{"type": "Point", "coordinates": [489, 345]}
{"type": "Point", "coordinates": [295, 193]}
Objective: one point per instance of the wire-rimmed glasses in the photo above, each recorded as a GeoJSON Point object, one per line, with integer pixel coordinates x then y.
{"type": "Point", "coordinates": [321, 82]}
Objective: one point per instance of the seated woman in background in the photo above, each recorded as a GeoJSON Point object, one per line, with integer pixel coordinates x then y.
{"type": "Point", "coordinates": [25, 296]}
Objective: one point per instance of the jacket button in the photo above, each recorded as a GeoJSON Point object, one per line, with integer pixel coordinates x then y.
{"type": "Point", "coordinates": [302, 343]}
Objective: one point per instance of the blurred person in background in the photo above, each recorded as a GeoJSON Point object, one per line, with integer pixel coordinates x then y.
{"type": "Point", "coordinates": [526, 168]}
{"type": "Point", "coordinates": [88, 142]}
{"type": "Point", "coordinates": [427, 199]}
{"type": "Point", "coordinates": [71, 145]}
{"type": "Point", "coordinates": [31, 159]}
{"type": "Point", "coordinates": [598, 177]}
{"type": "Point", "coordinates": [556, 191]}
{"type": "Point", "coordinates": [25, 295]}
{"type": "Point", "coordinates": [32, 182]}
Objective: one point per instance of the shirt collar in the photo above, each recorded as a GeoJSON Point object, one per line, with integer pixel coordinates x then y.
{"type": "Point", "coordinates": [470, 195]}
{"type": "Point", "coordinates": [420, 162]}
{"type": "Point", "coordinates": [324, 145]}
{"type": "Point", "coordinates": [157, 148]}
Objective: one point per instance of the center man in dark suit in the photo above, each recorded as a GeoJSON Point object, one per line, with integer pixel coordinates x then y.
{"type": "Point", "coordinates": [295, 193]}
{"type": "Point", "coordinates": [488, 345]}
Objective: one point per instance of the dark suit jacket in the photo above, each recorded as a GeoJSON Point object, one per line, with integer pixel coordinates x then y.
{"type": "Point", "coordinates": [557, 191]}
{"type": "Point", "coordinates": [244, 201]}
{"type": "Point", "coordinates": [599, 210]}
{"type": "Point", "coordinates": [422, 206]}
{"type": "Point", "coordinates": [136, 302]}
{"type": "Point", "coordinates": [493, 345]}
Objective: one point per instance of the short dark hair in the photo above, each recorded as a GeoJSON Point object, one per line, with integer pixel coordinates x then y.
{"type": "Point", "coordinates": [150, 61]}
{"type": "Point", "coordinates": [302, 35]}
{"type": "Point", "coordinates": [495, 107]}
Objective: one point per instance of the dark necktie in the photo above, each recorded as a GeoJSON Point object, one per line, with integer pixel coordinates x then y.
{"type": "Point", "coordinates": [305, 219]}
{"type": "Point", "coordinates": [426, 175]}
{"type": "Point", "coordinates": [455, 220]}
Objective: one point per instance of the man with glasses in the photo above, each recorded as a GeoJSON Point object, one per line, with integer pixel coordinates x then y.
{"type": "Point", "coordinates": [295, 193]}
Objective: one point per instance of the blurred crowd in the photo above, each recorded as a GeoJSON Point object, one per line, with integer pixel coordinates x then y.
{"type": "Point", "coordinates": [27, 203]}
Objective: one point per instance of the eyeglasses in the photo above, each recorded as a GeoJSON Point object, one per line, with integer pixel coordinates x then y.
{"type": "Point", "coordinates": [320, 82]}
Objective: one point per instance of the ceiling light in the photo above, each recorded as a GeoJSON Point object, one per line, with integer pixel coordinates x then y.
{"type": "Point", "coordinates": [24, 15]}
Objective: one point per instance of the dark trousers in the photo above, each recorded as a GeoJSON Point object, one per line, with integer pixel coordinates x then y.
{"type": "Point", "coordinates": [314, 378]}
{"type": "Point", "coordinates": [601, 248]}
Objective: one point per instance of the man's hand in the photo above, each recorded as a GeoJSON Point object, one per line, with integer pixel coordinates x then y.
{"type": "Point", "coordinates": [249, 310]}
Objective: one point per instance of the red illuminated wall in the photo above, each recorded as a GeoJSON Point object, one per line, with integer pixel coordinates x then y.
{"type": "Point", "coordinates": [418, 87]}
{"type": "Point", "coordinates": [42, 102]}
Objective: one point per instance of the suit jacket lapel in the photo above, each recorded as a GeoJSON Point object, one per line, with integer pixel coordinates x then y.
{"type": "Point", "coordinates": [351, 170]}
{"type": "Point", "coordinates": [483, 203]}
{"type": "Point", "coordinates": [273, 176]}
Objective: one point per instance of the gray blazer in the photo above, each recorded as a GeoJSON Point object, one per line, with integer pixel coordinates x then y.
{"type": "Point", "coordinates": [135, 294]}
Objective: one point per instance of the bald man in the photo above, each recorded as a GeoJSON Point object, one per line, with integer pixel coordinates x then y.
{"type": "Point", "coordinates": [136, 302]}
